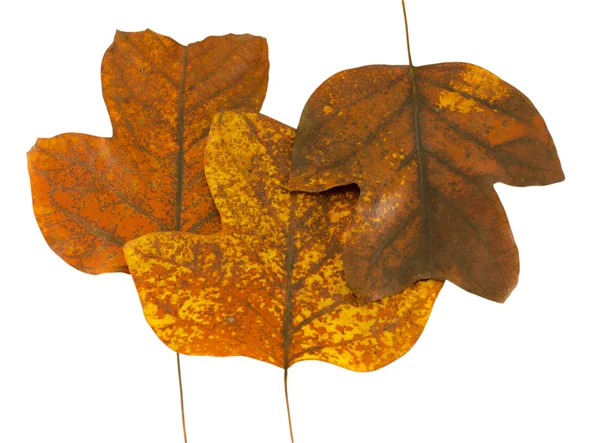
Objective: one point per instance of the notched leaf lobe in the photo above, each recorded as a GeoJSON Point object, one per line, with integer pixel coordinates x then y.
{"type": "Point", "coordinates": [93, 194]}
{"type": "Point", "coordinates": [269, 285]}
{"type": "Point", "coordinates": [425, 145]}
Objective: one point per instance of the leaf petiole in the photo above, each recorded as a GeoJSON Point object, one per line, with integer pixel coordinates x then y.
{"type": "Point", "coordinates": [407, 39]}
{"type": "Point", "coordinates": [287, 402]}
{"type": "Point", "coordinates": [181, 399]}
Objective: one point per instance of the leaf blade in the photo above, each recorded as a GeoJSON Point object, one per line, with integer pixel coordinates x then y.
{"type": "Point", "coordinates": [449, 135]}
{"type": "Point", "coordinates": [270, 284]}
{"type": "Point", "coordinates": [161, 97]}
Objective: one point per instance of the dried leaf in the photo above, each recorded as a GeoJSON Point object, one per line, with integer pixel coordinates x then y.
{"type": "Point", "coordinates": [425, 145]}
{"type": "Point", "coordinates": [269, 285]}
{"type": "Point", "coordinates": [92, 194]}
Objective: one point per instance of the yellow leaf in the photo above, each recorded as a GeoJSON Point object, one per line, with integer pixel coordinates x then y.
{"type": "Point", "coordinates": [270, 285]}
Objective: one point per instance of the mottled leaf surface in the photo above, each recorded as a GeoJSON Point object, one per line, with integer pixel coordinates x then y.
{"type": "Point", "coordinates": [269, 286]}
{"type": "Point", "coordinates": [425, 145]}
{"type": "Point", "coordinates": [93, 194]}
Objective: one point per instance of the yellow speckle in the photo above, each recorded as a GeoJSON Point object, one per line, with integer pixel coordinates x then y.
{"type": "Point", "coordinates": [327, 110]}
{"type": "Point", "coordinates": [481, 83]}
{"type": "Point", "coordinates": [454, 101]}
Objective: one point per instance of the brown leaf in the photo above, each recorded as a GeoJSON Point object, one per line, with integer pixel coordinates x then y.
{"type": "Point", "coordinates": [92, 194]}
{"type": "Point", "coordinates": [425, 145]}
{"type": "Point", "coordinates": [269, 285]}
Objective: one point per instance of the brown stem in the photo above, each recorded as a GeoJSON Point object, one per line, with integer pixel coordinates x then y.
{"type": "Point", "coordinates": [407, 39]}
{"type": "Point", "coordinates": [287, 403]}
{"type": "Point", "coordinates": [181, 399]}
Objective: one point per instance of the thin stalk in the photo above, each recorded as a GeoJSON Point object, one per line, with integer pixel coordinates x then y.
{"type": "Point", "coordinates": [407, 39]}
{"type": "Point", "coordinates": [181, 399]}
{"type": "Point", "coordinates": [287, 403]}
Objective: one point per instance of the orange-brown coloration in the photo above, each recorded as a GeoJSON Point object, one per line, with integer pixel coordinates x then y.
{"type": "Point", "coordinates": [269, 285]}
{"type": "Point", "coordinates": [92, 194]}
{"type": "Point", "coordinates": [425, 145]}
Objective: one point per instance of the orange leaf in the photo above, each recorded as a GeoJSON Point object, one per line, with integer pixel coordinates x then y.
{"type": "Point", "coordinates": [425, 145]}
{"type": "Point", "coordinates": [269, 285]}
{"type": "Point", "coordinates": [92, 194]}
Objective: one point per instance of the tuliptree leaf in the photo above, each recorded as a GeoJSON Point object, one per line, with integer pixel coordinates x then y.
{"type": "Point", "coordinates": [425, 145]}
{"type": "Point", "coordinates": [93, 194]}
{"type": "Point", "coordinates": [269, 285]}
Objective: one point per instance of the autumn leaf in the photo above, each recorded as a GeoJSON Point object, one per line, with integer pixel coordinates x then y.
{"type": "Point", "coordinates": [425, 145]}
{"type": "Point", "coordinates": [93, 194]}
{"type": "Point", "coordinates": [269, 285]}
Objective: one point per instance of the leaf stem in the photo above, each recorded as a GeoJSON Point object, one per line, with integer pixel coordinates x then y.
{"type": "Point", "coordinates": [407, 39]}
{"type": "Point", "coordinates": [287, 403]}
{"type": "Point", "coordinates": [181, 399]}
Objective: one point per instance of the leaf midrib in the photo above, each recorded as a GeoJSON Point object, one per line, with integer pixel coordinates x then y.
{"type": "Point", "coordinates": [422, 171]}
{"type": "Point", "coordinates": [290, 256]}
{"type": "Point", "coordinates": [180, 159]}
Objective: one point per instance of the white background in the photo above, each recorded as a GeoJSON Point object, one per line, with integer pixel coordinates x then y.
{"type": "Point", "coordinates": [78, 363]}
